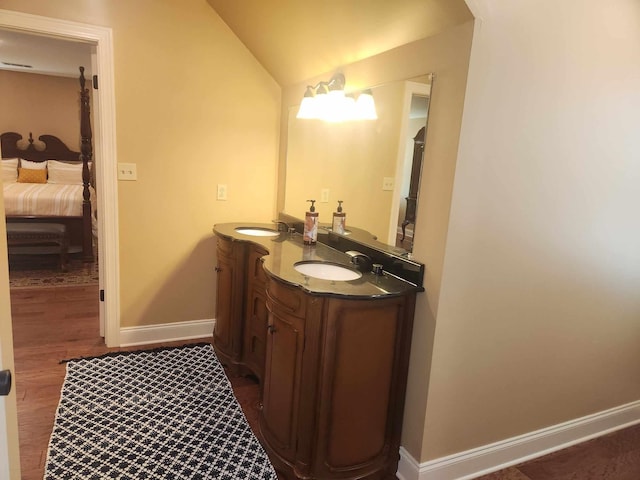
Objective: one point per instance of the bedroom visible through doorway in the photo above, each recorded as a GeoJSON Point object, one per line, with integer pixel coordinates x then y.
{"type": "Point", "coordinates": [49, 110]}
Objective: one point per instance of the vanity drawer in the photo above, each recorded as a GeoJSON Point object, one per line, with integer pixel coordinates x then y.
{"type": "Point", "coordinates": [290, 300]}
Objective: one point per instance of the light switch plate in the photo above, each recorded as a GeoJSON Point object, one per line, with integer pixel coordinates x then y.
{"type": "Point", "coordinates": [127, 171]}
{"type": "Point", "coordinates": [324, 195]}
{"type": "Point", "coordinates": [222, 191]}
{"type": "Point", "coordinates": [387, 183]}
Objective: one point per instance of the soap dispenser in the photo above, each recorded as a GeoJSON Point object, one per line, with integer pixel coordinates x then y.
{"type": "Point", "coordinates": [310, 235]}
{"type": "Point", "coordinates": [339, 220]}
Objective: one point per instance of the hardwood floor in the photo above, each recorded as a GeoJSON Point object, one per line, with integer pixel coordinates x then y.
{"type": "Point", "coordinates": [58, 323]}
{"type": "Point", "coordinates": [53, 324]}
{"type": "Point", "coordinates": [611, 457]}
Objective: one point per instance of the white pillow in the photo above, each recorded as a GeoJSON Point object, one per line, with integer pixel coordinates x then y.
{"type": "Point", "coordinates": [65, 173]}
{"type": "Point", "coordinates": [33, 165]}
{"type": "Point", "coordinates": [9, 170]}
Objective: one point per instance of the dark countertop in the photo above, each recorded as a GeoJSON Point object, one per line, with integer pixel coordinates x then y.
{"type": "Point", "coordinates": [287, 248]}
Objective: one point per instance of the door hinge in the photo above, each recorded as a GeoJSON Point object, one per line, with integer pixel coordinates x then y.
{"type": "Point", "coordinates": [102, 295]}
{"type": "Point", "coordinates": [95, 82]}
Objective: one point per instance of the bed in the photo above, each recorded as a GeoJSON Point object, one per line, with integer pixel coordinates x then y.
{"type": "Point", "coordinates": [46, 182]}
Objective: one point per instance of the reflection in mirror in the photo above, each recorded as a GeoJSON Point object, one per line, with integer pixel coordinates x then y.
{"type": "Point", "coordinates": [371, 166]}
{"type": "Point", "coordinates": [412, 170]}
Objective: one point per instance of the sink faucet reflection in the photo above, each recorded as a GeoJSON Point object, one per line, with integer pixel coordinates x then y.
{"type": "Point", "coordinates": [282, 226]}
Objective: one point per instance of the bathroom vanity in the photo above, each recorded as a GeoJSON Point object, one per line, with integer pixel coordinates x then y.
{"type": "Point", "coordinates": [331, 355]}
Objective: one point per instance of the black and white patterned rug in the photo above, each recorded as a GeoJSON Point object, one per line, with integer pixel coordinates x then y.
{"type": "Point", "coordinates": [158, 414]}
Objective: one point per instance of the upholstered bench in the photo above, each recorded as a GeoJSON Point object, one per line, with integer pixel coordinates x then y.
{"type": "Point", "coordinates": [36, 233]}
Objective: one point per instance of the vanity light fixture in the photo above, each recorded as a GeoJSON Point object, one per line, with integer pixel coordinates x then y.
{"type": "Point", "coordinates": [327, 101]}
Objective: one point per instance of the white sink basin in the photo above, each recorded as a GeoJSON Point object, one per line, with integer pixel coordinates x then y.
{"type": "Point", "coordinates": [327, 271]}
{"type": "Point", "coordinates": [257, 231]}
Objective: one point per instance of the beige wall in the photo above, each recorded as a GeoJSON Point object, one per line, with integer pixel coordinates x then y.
{"type": "Point", "coordinates": [40, 104]}
{"type": "Point", "coordinates": [193, 109]}
{"type": "Point", "coordinates": [538, 316]}
{"type": "Point", "coordinates": [446, 55]}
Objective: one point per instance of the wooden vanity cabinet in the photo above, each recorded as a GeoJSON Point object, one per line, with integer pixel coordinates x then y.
{"type": "Point", "coordinates": [334, 383]}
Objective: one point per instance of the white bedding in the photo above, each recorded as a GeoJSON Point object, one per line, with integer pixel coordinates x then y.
{"type": "Point", "coordinates": [43, 199]}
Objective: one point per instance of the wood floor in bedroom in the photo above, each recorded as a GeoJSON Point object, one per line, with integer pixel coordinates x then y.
{"type": "Point", "coordinates": [56, 323]}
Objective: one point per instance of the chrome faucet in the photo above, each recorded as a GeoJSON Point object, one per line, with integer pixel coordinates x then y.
{"type": "Point", "coordinates": [362, 262]}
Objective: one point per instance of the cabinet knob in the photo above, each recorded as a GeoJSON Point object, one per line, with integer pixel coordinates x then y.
{"type": "Point", "coordinates": [271, 329]}
{"type": "Point", "coordinates": [218, 269]}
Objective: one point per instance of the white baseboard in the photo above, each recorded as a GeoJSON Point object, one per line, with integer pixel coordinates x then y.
{"type": "Point", "coordinates": [166, 332]}
{"type": "Point", "coordinates": [496, 456]}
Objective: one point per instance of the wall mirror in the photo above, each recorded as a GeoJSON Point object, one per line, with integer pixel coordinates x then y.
{"type": "Point", "coordinates": [373, 166]}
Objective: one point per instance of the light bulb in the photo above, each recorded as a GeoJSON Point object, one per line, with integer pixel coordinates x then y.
{"type": "Point", "coordinates": [307, 106]}
{"type": "Point", "coordinates": [366, 107]}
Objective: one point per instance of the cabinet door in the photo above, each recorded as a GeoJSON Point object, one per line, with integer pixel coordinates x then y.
{"type": "Point", "coordinates": [227, 334]}
{"type": "Point", "coordinates": [360, 406]}
{"type": "Point", "coordinates": [255, 329]}
{"type": "Point", "coordinates": [285, 343]}
{"type": "Point", "coordinates": [222, 337]}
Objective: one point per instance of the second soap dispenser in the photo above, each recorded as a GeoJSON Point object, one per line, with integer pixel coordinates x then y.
{"type": "Point", "coordinates": [339, 220]}
{"type": "Point", "coordinates": [310, 235]}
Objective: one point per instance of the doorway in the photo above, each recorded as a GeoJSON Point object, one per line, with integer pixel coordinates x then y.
{"type": "Point", "coordinates": [104, 149]}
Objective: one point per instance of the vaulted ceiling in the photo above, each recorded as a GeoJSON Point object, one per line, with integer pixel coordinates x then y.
{"type": "Point", "coordinates": [293, 39]}
{"type": "Point", "coordinates": [297, 39]}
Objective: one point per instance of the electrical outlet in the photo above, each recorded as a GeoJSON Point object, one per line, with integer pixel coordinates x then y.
{"type": "Point", "coordinates": [222, 191]}
{"type": "Point", "coordinates": [324, 195]}
{"type": "Point", "coordinates": [387, 183]}
{"type": "Point", "coordinates": [127, 171]}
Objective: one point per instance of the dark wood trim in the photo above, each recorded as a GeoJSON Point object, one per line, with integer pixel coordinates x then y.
{"type": "Point", "coordinates": [54, 148]}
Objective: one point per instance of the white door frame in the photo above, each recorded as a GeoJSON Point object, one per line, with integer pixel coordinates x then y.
{"type": "Point", "coordinates": [4, 439]}
{"type": "Point", "coordinates": [7, 468]}
{"type": "Point", "coordinates": [9, 445]}
{"type": "Point", "coordinates": [106, 166]}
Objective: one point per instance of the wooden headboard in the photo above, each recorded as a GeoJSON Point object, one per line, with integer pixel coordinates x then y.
{"type": "Point", "coordinates": [54, 148]}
